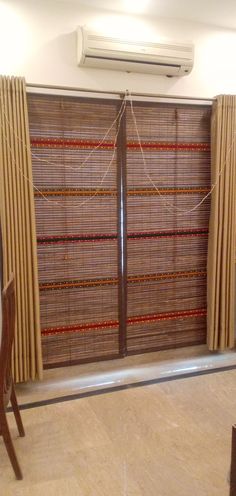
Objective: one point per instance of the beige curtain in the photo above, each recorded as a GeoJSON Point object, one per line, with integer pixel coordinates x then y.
{"type": "Point", "coordinates": [18, 226]}
{"type": "Point", "coordinates": [221, 249]}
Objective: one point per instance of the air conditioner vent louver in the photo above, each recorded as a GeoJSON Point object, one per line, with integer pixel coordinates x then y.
{"type": "Point", "coordinates": [117, 53]}
{"type": "Point", "coordinates": [167, 46]}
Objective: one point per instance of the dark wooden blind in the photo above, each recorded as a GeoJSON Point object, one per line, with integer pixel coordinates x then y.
{"type": "Point", "coordinates": [167, 251]}
{"type": "Point", "coordinates": [76, 226]}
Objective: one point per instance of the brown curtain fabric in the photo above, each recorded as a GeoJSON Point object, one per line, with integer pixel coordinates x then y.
{"type": "Point", "coordinates": [18, 226]}
{"type": "Point", "coordinates": [221, 249]}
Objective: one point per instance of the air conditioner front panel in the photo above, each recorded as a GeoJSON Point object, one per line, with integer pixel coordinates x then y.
{"type": "Point", "coordinates": [128, 66]}
{"type": "Point", "coordinates": [95, 50]}
{"type": "Point", "coordinates": [137, 49]}
{"type": "Point", "coordinates": [137, 56]}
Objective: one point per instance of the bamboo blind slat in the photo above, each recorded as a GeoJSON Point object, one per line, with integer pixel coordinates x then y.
{"type": "Point", "coordinates": [164, 296]}
{"type": "Point", "coordinates": [95, 217]}
{"type": "Point", "coordinates": [166, 334]}
{"type": "Point", "coordinates": [69, 346]}
{"type": "Point", "coordinates": [184, 253]}
{"type": "Point", "coordinates": [65, 307]}
{"type": "Point", "coordinates": [86, 260]}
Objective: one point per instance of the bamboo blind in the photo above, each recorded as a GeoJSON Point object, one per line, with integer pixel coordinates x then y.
{"type": "Point", "coordinates": [167, 252]}
{"type": "Point", "coordinates": [77, 241]}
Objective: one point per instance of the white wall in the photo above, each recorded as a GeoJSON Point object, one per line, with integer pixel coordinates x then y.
{"type": "Point", "coordinates": [38, 41]}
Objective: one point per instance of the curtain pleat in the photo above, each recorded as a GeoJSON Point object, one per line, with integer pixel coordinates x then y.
{"type": "Point", "coordinates": [221, 247]}
{"type": "Point", "coordinates": [18, 226]}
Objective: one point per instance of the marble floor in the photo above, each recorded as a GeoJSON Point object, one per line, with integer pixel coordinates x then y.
{"type": "Point", "coordinates": [158, 366]}
{"type": "Point", "coordinates": [166, 439]}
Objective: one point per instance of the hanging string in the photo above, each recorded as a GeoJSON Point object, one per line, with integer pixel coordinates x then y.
{"type": "Point", "coordinates": [118, 117]}
{"type": "Point", "coordinates": [168, 205]}
{"type": "Point", "coordinates": [34, 155]}
{"type": "Point", "coordinates": [111, 161]}
{"type": "Point", "coordinates": [92, 151]}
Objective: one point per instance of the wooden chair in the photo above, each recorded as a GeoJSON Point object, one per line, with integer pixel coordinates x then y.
{"type": "Point", "coordinates": [233, 463]}
{"type": "Point", "coordinates": [7, 391]}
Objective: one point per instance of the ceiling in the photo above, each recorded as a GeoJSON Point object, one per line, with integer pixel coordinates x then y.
{"type": "Point", "coordinates": [215, 12]}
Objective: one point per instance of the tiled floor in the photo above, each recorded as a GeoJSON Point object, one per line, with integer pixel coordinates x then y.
{"type": "Point", "coordinates": [150, 366]}
{"type": "Point", "coordinates": [167, 439]}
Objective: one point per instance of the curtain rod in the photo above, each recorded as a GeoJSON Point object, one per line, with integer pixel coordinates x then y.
{"type": "Point", "coordinates": [117, 93]}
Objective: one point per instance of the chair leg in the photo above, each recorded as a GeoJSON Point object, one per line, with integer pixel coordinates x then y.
{"type": "Point", "coordinates": [9, 446]}
{"type": "Point", "coordinates": [233, 463]}
{"type": "Point", "coordinates": [16, 412]}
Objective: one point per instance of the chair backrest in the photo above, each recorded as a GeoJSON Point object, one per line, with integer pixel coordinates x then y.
{"type": "Point", "coordinates": [8, 330]}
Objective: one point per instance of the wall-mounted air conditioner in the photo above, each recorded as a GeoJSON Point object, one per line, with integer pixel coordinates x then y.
{"type": "Point", "coordinates": [117, 53]}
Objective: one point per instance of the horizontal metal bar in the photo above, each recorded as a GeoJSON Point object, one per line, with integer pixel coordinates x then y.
{"type": "Point", "coordinates": [116, 93]}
